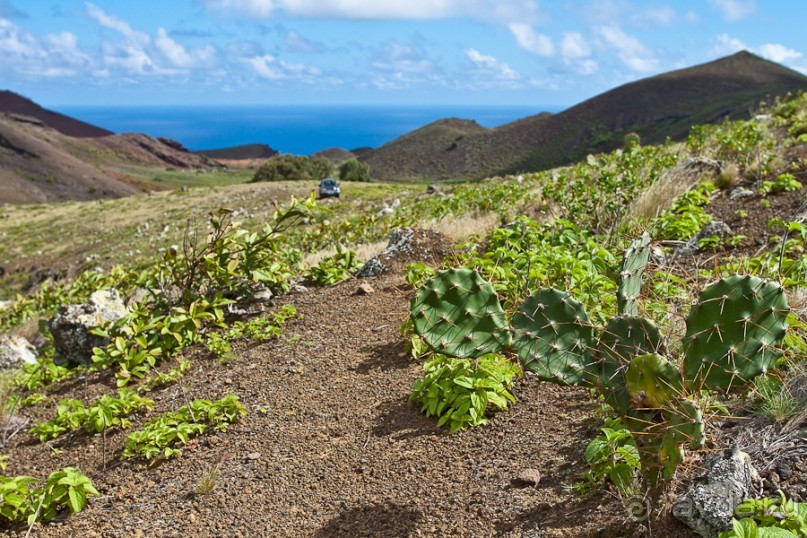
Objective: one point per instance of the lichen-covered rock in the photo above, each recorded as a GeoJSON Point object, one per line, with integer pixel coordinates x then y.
{"type": "Point", "coordinates": [71, 327]}
{"type": "Point", "coordinates": [15, 351]}
{"type": "Point", "coordinates": [707, 506]}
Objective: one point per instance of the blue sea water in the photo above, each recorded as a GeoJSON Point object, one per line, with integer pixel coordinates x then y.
{"type": "Point", "coordinates": [298, 129]}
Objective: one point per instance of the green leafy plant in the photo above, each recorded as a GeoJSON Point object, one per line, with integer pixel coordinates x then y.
{"type": "Point", "coordinates": [160, 435]}
{"type": "Point", "coordinates": [614, 455]}
{"type": "Point", "coordinates": [768, 518]}
{"type": "Point", "coordinates": [460, 391]}
{"type": "Point", "coordinates": [335, 268]}
{"type": "Point", "coordinates": [64, 489]}
{"type": "Point", "coordinates": [782, 183]}
{"type": "Point", "coordinates": [162, 379]}
{"type": "Point", "coordinates": [260, 329]}
{"type": "Point", "coordinates": [686, 217]}
{"type": "Point", "coordinates": [106, 412]}
{"type": "Point", "coordinates": [418, 273]}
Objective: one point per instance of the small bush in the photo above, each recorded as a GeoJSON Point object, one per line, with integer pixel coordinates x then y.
{"type": "Point", "coordinates": [353, 170]}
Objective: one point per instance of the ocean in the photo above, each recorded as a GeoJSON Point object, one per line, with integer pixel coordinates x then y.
{"type": "Point", "coordinates": [298, 129]}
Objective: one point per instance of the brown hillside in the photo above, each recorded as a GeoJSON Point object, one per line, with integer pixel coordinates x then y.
{"type": "Point", "coordinates": [431, 151]}
{"type": "Point", "coordinates": [246, 151]}
{"type": "Point", "coordinates": [335, 155]}
{"type": "Point", "coordinates": [15, 104]}
{"type": "Point", "coordinates": [40, 164]}
{"type": "Point", "coordinates": [663, 106]}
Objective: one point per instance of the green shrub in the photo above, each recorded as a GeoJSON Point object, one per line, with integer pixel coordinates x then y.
{"type": "Point", "coordinates": [783, 183]}
{"type": "Point", "coordinates": [67, 488]}
{"type": "Point", "coordinates": [293, 167]}
{"type": "Point", "coordinates": [459, 391]}
{"type": "Point", "coordinates": [353, 170]}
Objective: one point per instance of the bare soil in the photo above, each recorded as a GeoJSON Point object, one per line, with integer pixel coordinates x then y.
{"type": "Point", "coordinates": [331, 448]}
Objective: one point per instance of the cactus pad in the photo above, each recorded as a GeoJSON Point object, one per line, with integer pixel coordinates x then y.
{"type": "Point", "coordinates": [652, 381]}
{"type": "Point", "coordinates": [630, 275]}
{"type": "Point", "coordinates": [553, 337]}
{"type": "Point", "coordinates": [732, 331]}
{"type": "Point", "coordinates": [457, 313]}
{"type": "Point", "coordinates": [622, 339]}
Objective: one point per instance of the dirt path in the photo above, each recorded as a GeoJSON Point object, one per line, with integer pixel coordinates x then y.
{"type": "Point", "coordinates": [330, 447]}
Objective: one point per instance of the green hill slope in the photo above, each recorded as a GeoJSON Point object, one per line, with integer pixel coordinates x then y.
{"type": "Point", "coordinates": [663, 106]}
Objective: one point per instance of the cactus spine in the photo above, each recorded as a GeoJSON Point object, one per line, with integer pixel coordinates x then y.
{"type": "Point", "coordinates": [457, 313]}
{"type": "Point", "coordinates": [732, 331]}
{"type": "Point", "coordinates": [553, 337]}
{"type": "Point", "coordinates": [630, 275]}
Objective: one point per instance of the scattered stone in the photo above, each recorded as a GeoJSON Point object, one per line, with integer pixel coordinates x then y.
{"type": "Point", "coordinates": [434, 189]}
{"type": "Point", "coordinates": [254, 456]}
{"type": "Point", "coordinates": [299, 288]}
{"type": "Point", "coordinates": [71, 327]}
{"type": "Point", "coordinates": [707, 506]}
{"type": "Point", "coordinates": [263, 294]}
{"type": "Point", "coordinates": [371, 268]}
{"type": "Point", "coordinates": [365, 289]}
{"type": "Point", "coordinates": [15, 351]}
{"type": "Point", "coordinates": [528, 477]}
{"type": "Point", "coordinates": [715, 228]}
{"type": "Point", "coordinates": [740, 193]}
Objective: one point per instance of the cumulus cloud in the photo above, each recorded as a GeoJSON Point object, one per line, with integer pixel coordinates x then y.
{"type": "Point", "coordinates": [298, 43]}
{"type": "Point", "coordinates": [501, 11]}
{"type": "Point", "coordinates": [178, 55]}
{"type": "Point", "coordinates": [734, 10]}
{"type": "Point", "coordinates": [532, 41]}
{"type": "Point", "coordinates": [487, 71]}
{"type": "Point", "coordinates": [774, 52]}
{"type": "Point", "coordinates": [53, 55]}
{"type": "Point", "coordinates": [269, 67]}
{"type": "Point", "coordinates": [110, 21]}
{"type": "Point", "coordinates": [630, 51]}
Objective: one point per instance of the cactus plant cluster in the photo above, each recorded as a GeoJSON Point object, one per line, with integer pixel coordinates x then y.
{"type": "Point", "coordinates": [731, 337]}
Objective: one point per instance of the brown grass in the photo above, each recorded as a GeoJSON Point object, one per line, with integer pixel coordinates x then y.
{"type": "Point", "coordinates": [462, 228]}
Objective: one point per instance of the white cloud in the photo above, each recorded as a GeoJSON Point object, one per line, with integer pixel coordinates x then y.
{"type": "Point", "coordinates": [779, 53]}
{"type": "Point", "coordinates": [53, 55]}
{"type": "Point", "coordinates": [110, 21]}
{"type": "Point", "coordinates": [269, 67]}
{"type": "Point", "coordinates": [774, 52]}
{"type": "Point", "coordinates": [298, 43]}
{"type": "Point", "coordinates": [574, 45]}
{"type": "Point", "coordinates": [404, 59]}
{"type": "Point", "coordinates": [489, 69]}
{"type": "Point", "coordinates": [500, 11]}
{"type": "Point", "coordinates": [734, 10]}
{"type": "Point", "coordinates": [178, 55]}
{"type": "Point", "coordinates": [532, 41]}
{"type": "Point", "coordinates": [630, 51]}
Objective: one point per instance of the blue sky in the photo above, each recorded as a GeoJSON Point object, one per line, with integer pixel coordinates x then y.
{"type": "Point", "coordinates": [117, 52]}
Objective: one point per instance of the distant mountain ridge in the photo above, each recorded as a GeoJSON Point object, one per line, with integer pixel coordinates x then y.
{"type": "Point", "coordinates": [655, 108]}
{"type": "Point", "coordinates": [15, 104]}
{"type": "Point", "coordinates": [48, 157]}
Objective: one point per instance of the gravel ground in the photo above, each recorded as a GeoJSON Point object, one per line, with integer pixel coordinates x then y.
{"type": "Point", "coordinates": [331, 448]}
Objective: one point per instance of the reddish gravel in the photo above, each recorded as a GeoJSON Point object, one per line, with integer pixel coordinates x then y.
{"type": "Point", "coordinates": [331, 448]}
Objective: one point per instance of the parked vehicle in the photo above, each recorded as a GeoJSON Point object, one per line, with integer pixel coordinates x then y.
{"type": "Point", "coordinates": [328, 187]}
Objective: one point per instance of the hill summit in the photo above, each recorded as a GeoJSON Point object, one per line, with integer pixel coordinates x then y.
{"type": "Point", "coordinates": [655, 108]}
{"type": "Point", "coordinates": [15, 104]}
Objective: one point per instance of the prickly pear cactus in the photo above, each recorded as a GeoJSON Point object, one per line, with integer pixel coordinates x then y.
{"type": "Point", "coordinates": [622, 339]}
{"type": "Point", "coordinates": [630, 275]}
{"type": "Point", "coordinates": [457, 313]}
{"type": "Point", "coordinates": [652, 381]}
{"type": "Point", "coordinates": [553, 337]}
{"type": "Point", "coordinates": [732, 331]}
{"type": "Point", "coordinates": [684, 426]}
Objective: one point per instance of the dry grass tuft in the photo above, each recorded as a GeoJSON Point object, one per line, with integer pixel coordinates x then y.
{"type": "Point", "coordinates": [660, 194]}
{"type": "Point", "coordinates": [728, 177]}
{"type": "Point", "coordinates": [208, 479]}
{"type": "Point", "coordinates": [463, 227]}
